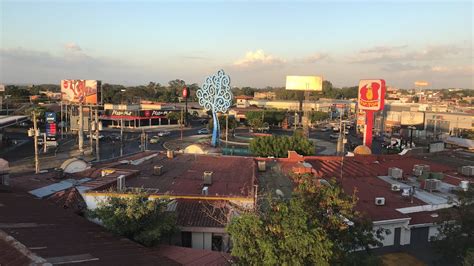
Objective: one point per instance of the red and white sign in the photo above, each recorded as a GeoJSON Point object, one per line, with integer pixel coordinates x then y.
{"type": "Point", "coordinates": [80, 91]}
{"type": "Point", "coordinates": [371, 94]}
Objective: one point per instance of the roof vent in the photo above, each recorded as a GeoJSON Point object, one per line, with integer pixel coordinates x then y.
{"type": "Point", "coordinates": [380, 201]}
{"type": "Point", "coordinates": [157, 169]}
{"type": "Point", "coordinates": [467, 170]}
{"type": "Point", "coordinates": [262, 166]}
{"type": "Point", "coordinates": [432, 184]}
{"type": "Point", "coordinates": [205, 191]}
{"type": "Point", "coordinates": [395, 173]}
{"type": "Point", "coordinates": [207, 178]}
{"type": "Point", "coordinates": [395, 187]}
{"type": "Point", "coordinates": [419, 169]}
{"type": "Point", "coordinates": [121, 183]}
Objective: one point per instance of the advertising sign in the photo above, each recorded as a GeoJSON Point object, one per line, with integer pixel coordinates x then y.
{"type": "Point", "coordinates": [51, 128]}
{"type": "Point", "coordinates": [361, 118]}
{"type": "Point", "coordinates": [371, 94]}
{"type": "Point", "coordinates": [412, 118]}
{"type": "Point", "coordinates": [421, 83]}
{"type": "Point", "coordinates": [304, 83]}
{"type": "Point", "coordinates": [81, 91]}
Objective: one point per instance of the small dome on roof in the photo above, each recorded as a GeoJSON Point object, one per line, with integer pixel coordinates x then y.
{"type": "Point", "coordinates": [362, 150]}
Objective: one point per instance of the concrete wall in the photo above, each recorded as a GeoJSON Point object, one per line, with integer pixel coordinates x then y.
{"type": "Point", "coordinates": [433, 231]}
{"type": "Point", "coordinates": [391, 225]}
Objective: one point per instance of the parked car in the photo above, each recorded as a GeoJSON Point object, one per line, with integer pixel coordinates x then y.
{"type": "Point", "coordinates": [154, 139]}
{"type": "Point", "coordinates": [113, 137]}
{"type": "Point", "coordinates": [324, 129]}
{"type": "Point", "coordinates": [334, 136]}
{"type": "Point", "coordinates": [164, 133]}
{"type": "Point", "coordinates": [335, 129]}
{"type": "Point", "coordinates": [203, 131]}
{"type": "Point", "coordinates": [94, 137]}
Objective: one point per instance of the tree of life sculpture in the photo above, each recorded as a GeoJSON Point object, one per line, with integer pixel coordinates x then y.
{"type": "Point", "coordinates": [215, 95]}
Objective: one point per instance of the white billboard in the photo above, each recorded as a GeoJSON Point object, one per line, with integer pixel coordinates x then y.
{"type": "Point", "coordinates": [304, 83]}
{"type": "Point", "coordinates": [412, 118]}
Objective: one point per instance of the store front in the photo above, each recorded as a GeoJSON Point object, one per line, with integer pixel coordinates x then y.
{"type": "Point", "coordinates": [137, 118]}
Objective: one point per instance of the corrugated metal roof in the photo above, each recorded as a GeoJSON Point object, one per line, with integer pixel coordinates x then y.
{"type": "Point", "coordinates": [60, 186]}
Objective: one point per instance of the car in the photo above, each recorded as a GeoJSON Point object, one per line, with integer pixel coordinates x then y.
{"type": "Point", "coordinates": [113, 137]}
{"type": "Point", "coordinates": [334, 136]}
{"type": "Point", "coordinates": [164, 133]}
{"type": "Point", "coordinates": [203, 131]}
{"type": "Point", "coordinates": [324, 129]}
{"type": "Point", "coordinates": [335, 129]}
{"type": "Point", "coordinates": [94, 137]}
{"type": "Point", "coordinates": [154, 139]}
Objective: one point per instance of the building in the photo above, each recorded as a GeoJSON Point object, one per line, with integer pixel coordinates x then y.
{"type": "Point", "coordinates": [205, 191]}
{"type": "Point", "coordinates": [410, 218]}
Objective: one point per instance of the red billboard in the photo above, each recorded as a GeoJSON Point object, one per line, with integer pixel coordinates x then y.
{"type": "Point", "coordinates": [371, 94]}
{"type": "Point", "coordinates": [81, 91]}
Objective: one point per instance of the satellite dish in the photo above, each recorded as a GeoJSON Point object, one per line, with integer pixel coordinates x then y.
{"type": "Point", "coordinates": [74, 165]}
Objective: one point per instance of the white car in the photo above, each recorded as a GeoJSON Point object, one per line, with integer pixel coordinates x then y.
{"type": "Point", "coordinates": [203, 131]}
{"type": "Point", "coordinates": [334, 136]}
{"type": "Point", "coordinates": [154, 139]}
{"type": "Point", "coordinates": [324, 129]}
{"type": "Point", "coordinates": [164, 133]}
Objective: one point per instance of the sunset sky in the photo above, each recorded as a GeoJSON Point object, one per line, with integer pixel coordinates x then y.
{"type": "Point", "coordinates": [257, 44]}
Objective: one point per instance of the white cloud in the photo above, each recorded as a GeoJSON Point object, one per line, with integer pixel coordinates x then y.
{"type": "Point", "coordinates": [258, 58]}
{"type": "Point", "coordinates": [316, 57]}
{"type": "Point", "coordinates": [72, 47]}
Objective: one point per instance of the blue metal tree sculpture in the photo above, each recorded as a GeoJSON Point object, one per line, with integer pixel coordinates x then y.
{"type": "Point", "coordinates": [215, 95]}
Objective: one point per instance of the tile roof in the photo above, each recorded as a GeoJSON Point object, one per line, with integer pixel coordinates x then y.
{"type": "Point", "coordinates": [201, 213]}
{"type": "Point", "coordinates": [55, 235]}
{"type": "Point", "coordinates": [232, 176]}
{"type": "Point", "coordinates": [359, 176]}
{"type": "Point", "coordinates": [189, 256]}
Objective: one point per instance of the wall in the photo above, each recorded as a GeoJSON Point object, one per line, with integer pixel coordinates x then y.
{"type": "Point", "coordinates": [391, 225]}
{"type": "Point", "coordinates": [433, 231]}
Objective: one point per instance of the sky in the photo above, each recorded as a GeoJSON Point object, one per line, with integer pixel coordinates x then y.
{"type": "Point", "coordinates": [258, 43]}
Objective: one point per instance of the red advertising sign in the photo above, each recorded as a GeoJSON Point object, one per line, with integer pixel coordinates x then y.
{"type": "Point", "coordinates": [371, 94]}
{"type": "Point", "coordinates": [80, 91]}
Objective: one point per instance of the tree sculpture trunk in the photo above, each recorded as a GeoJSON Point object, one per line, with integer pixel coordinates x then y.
{"type": "Point", "coordinates": [215, 130]}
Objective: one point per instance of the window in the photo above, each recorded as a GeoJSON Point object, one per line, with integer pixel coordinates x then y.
{"type": "Point", "coordinates": [186, 239]}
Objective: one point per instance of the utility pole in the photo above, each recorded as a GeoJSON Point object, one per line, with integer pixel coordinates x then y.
{"type": "Point", "coordinates": [181, 123]}
{"type": "Point", "coordinates": [67, 112]}
{"type": "Point", "coordinates": [90, 130]}
{"type": "Point", "coordinates": [81, 130]}
{"type": "Point", "coordinates": [62, 121]}
{"type": "Point", "coordinates": [97, 152]}
{"type": "Point", "coordinates": [121, 137]}
{"type": "Point", "coordinates": [35, 137]}
{"type": "Point", "coordinates": [45, 147]}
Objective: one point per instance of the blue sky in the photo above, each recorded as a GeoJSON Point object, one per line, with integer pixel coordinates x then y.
{"type": "Point", "coordinates": [258, 44]}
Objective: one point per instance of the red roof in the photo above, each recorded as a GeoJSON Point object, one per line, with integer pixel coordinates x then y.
{"type": "Point", "coordinates": [197, 213]}
{"type": "Point", "coordinates": [189, 256]}
{"type": "Point", "coordinates": [61, 235]}
{"type": "Point", "coordinates": [233, 176]}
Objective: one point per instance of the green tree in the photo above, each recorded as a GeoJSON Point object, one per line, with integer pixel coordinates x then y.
{"type": "Point", "coordinates": [318, 116]}
{"type": "Point", "coordinates": [316, 226]}
{"type": "Point", "coordinates": [278, 146]}
{"type": "Point", "coordinates": [136, 217]}
{"type": "Point", "coordinates": [456, 233]}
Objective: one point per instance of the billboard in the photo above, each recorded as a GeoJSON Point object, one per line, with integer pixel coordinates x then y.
{"type": "Point", "coordinates": [421, 83]}
{"type": "Point", "coordinates": [81, 91]}
{"type": "Point", "coordinates": [371, 94]}
{"type": "Point", "coordinates": [416, 119]}
{"type": "Point", "coordinates": [304, 83]}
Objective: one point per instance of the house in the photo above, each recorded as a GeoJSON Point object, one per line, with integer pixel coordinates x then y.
{"type": "Point", "coordinates": [387, 200]}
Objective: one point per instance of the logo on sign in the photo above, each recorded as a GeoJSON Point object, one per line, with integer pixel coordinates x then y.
{"type": "Point", "coordinates": [371, 94]}
{"type": "Point", "coordinates": [121, 113]}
